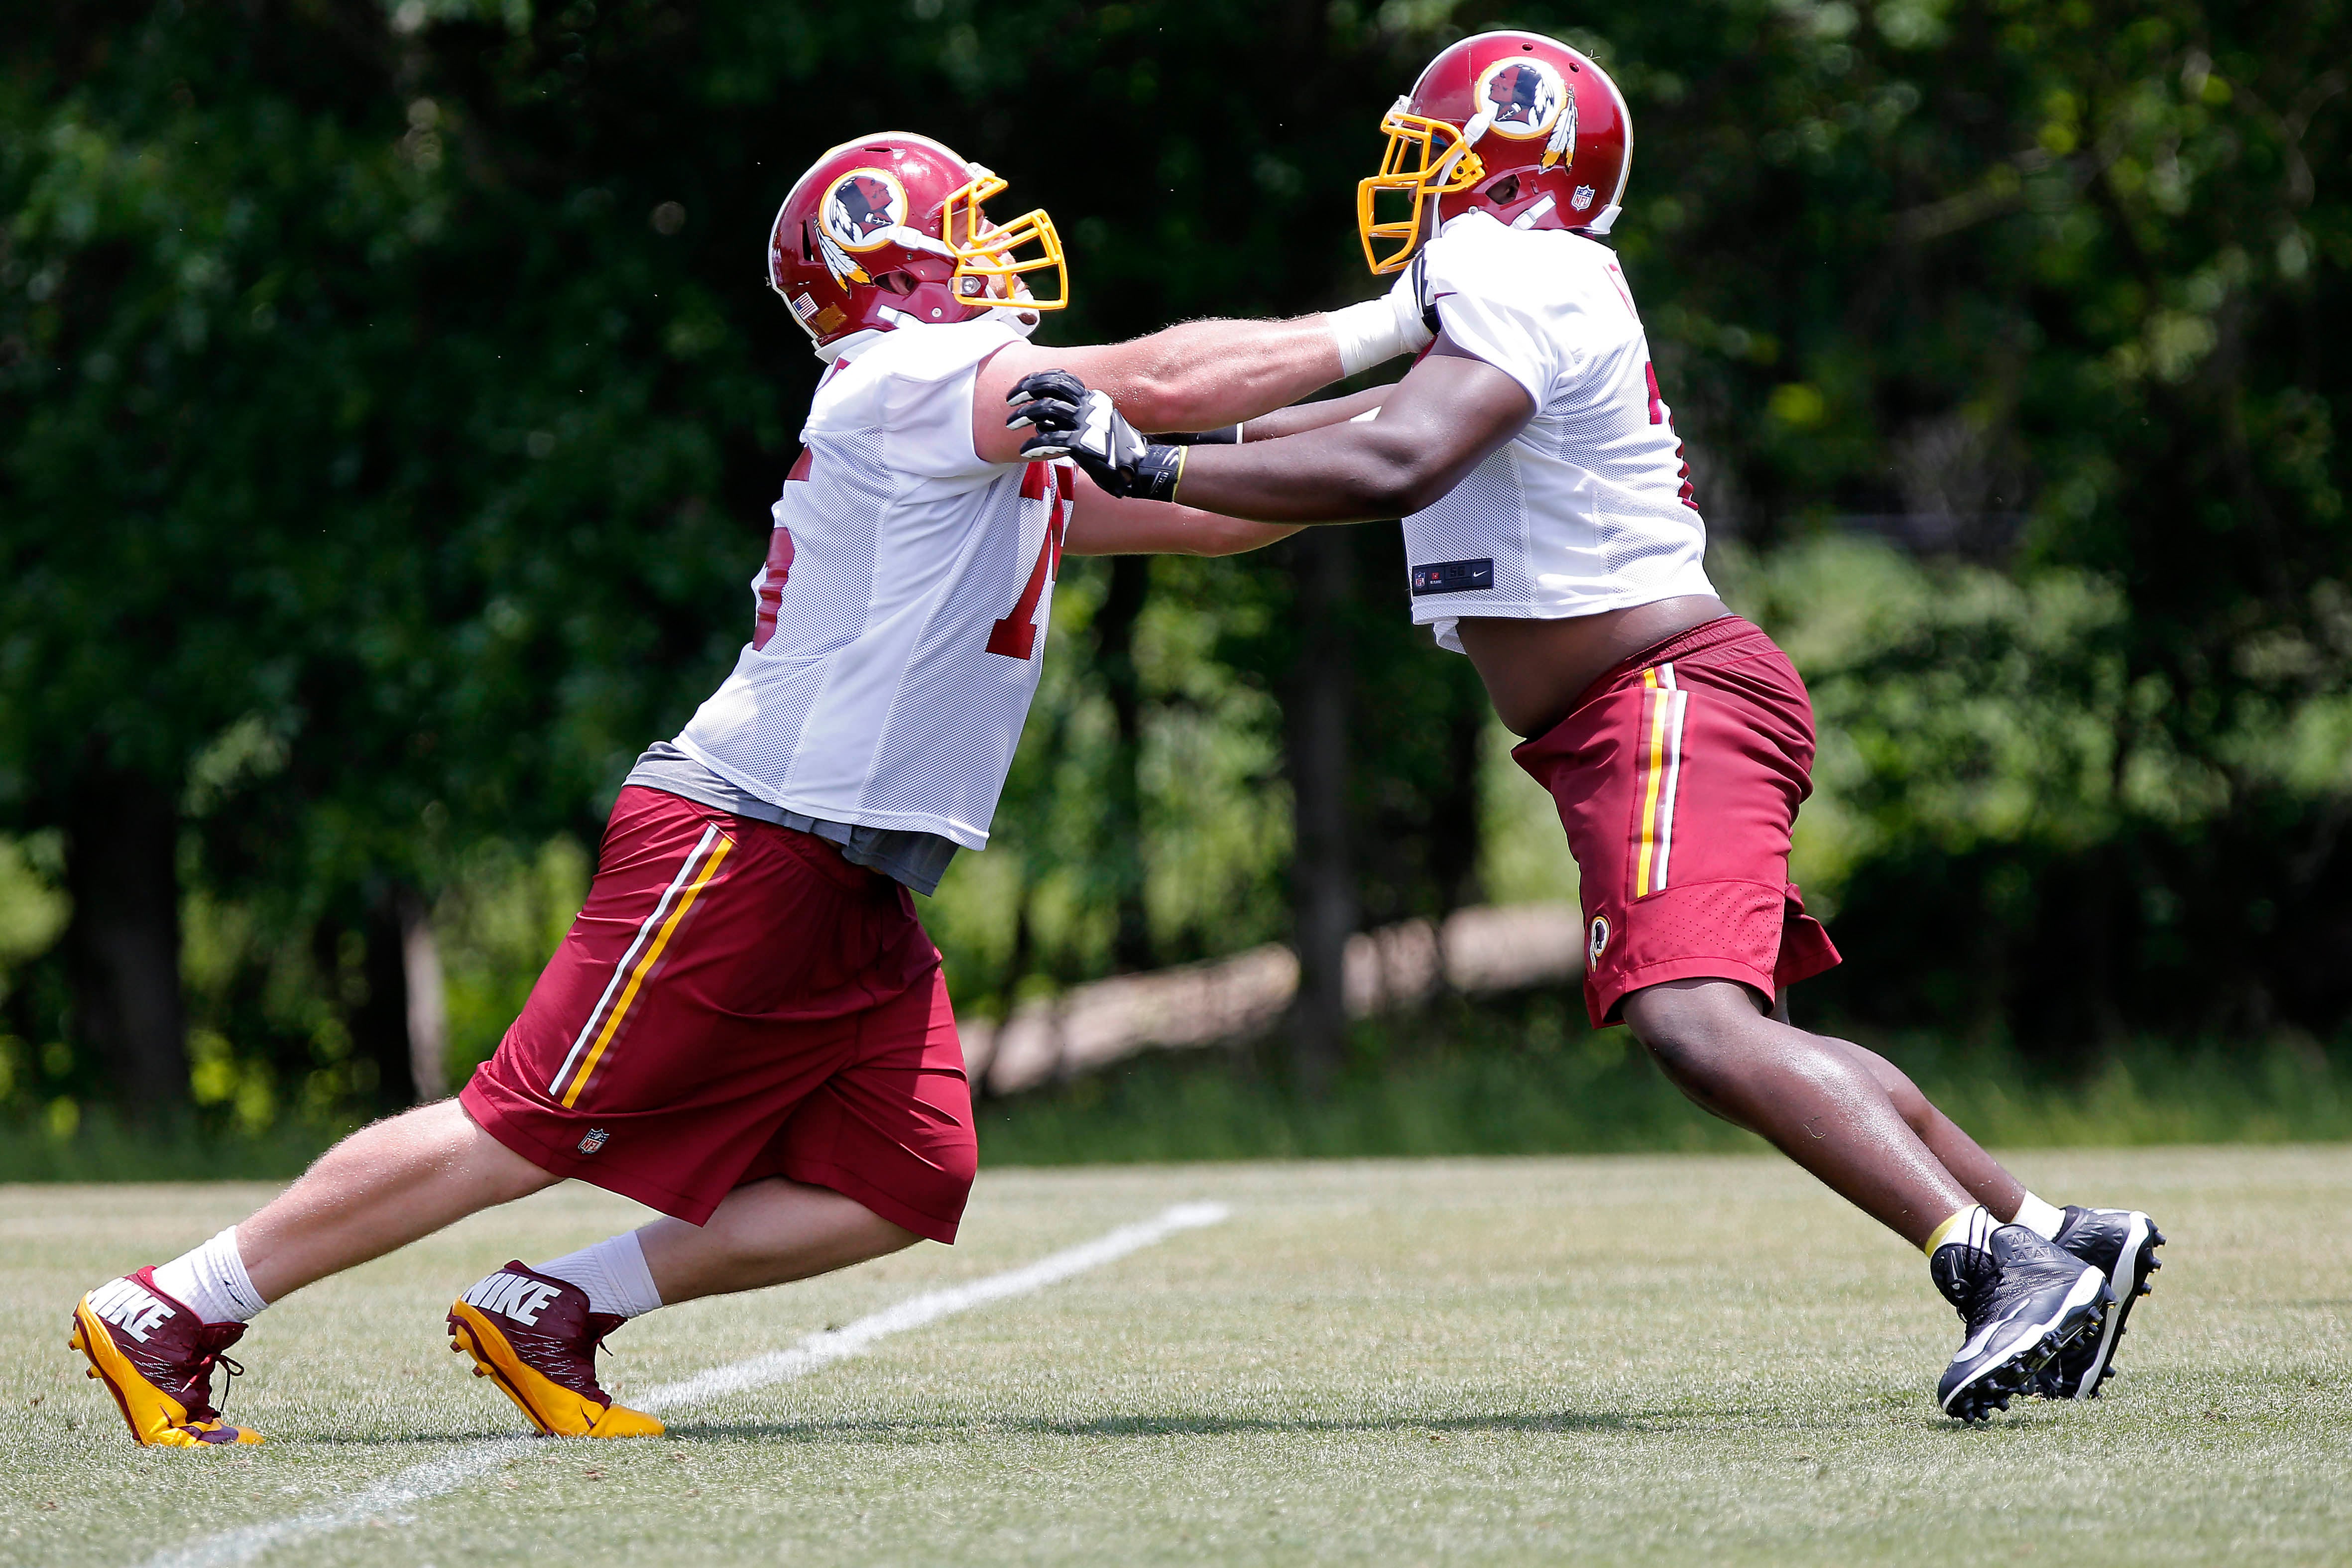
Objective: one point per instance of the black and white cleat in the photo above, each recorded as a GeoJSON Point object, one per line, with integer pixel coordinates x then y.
{"type": "Point", "coordinates": [2120, 1244]}
{"type": "Point", "coordinates": [2022, 1302]}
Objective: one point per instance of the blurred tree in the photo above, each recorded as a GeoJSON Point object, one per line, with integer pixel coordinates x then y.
{"type": "Point", "coordinates": [388, 411]}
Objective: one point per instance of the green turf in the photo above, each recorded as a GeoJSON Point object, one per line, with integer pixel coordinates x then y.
{"type": "Point", "coordinates": [1661, 1359]}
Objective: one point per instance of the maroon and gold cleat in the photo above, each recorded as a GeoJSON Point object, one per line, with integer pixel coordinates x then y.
{"type": "Point", "coordinates": [536, 1335]}
{"type": "Point", "coordinates": [156, 1356]}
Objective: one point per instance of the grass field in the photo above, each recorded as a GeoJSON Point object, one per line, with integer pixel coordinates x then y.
{"type": "Point", "coordinates": [1658, 1359]}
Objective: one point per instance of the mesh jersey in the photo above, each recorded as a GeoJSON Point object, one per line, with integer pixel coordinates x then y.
{"type": "Point", "coordinates": [902, 609]}
{"type": "Point", "coordinates": [1589, 507]}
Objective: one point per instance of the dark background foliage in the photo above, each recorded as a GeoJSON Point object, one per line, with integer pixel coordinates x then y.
{"type": "Point", "coordinates": [390, 403]}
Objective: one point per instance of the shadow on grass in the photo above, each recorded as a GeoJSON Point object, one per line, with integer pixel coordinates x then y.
{"type": "Point", "coordinates": [1147, 1426]}
{"type": "Point", "coordinates": [875, 1431]}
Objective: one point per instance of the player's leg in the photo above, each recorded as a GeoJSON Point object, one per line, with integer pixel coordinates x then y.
{"type": "Point", "coordinates": [878, 1157]}
{"type": "Point", "coordinates": [1816, 1103]}
{"type": "Point", "coordinates": [786, 1086]}
{"type": "Point", "coordinates": [2120, 1243]}
{"type": "Point", "coordinates": [1985, 1178]}
{"type": "Point", "coordinates": [537, 1329]}
{"type": "Point", "coordinates": [154, 1336]}
{"type": "Point", "coordinates": [767, 1232]}
{"type": "Point", "coordinates": [383, 1187]}
{"type": "Point", "coordinates": [1678, 778]}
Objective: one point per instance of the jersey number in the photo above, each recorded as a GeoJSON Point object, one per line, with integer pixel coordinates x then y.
{"type": "Point", "coordinates": [1015, 636]}
{"type": "Point", "coordinates": [1658, 416]}
{"type": "Point", "coordinates": [770, 598]}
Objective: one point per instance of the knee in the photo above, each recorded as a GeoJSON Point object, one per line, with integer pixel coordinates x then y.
{"type": "Point", "coordinates": [1909, 1103]}
{"type": "Point", "coordinates": [1693, 1036]}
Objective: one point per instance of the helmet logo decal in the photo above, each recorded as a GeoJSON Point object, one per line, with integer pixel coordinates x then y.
{"type": "Point", "coordinates": [1523, 98]}
{"type": "Point", "coordinates": [1582, 199]}
{"type": "Point", "coordinates": [862, 207]}
{"type": "Point", "coordinates": [838, 262]}
{"type": "Point", "coordinates": [1562, 146]}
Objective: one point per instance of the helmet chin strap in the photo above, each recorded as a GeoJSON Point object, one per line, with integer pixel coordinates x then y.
{"type": "Point", "coordinates": [1017, 318]}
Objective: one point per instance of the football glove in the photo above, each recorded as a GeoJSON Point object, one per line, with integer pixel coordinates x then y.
{"type": "Point", "coordinates": [1075, 422]}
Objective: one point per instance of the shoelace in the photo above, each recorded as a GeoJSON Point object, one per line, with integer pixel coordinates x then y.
{"type": "Point", "coordinates": [208, 1411]}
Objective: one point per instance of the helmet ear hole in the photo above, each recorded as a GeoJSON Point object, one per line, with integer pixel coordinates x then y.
{"type": "Point", "coordinates": [901, 283]}
{"type": "Point", "coordinates": [1505, 191]}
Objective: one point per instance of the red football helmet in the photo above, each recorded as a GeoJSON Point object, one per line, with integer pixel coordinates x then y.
{"type": "Point", "coordinates": [888, 230]}
{"type": "Point", "coordinates": [1515, 124]}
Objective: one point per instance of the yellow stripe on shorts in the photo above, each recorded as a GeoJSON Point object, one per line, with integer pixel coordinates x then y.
{"type": "Point", "coordinates": [1661, 767]}
{"type": "Point", "coordinates": [711, 850]}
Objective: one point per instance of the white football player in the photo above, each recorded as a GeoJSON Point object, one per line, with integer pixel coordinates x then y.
{"type": "Point", "coordinates": [746, 1027]}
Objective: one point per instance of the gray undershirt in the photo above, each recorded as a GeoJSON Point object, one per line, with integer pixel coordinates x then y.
{"type": "Point", "coordinates": [917, 860]}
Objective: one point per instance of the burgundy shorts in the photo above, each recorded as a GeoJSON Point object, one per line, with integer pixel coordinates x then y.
{"type": "Point", "coordinates": [1678, 775]}
{"type": "Point", "coordinates": [735, 1002]}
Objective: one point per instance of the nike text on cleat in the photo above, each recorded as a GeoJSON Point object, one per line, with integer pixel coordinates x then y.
{"type": "Point", "coordinates": [536, 1336]}
{"type": "Point", "coordinates": [2121, 1244]}
{"type": "Point", "coordinates": [156, 1356]}
{"type": "Point", "coordinates": [2023, 1301]}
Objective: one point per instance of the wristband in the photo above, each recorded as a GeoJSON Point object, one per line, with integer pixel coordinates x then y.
{"type": "Point", "coordinates": [1222, 436]}
{"type": "Point", "coordinates": [1370, 333]}
{"type": "Point", "coordinates": [1157, 472]}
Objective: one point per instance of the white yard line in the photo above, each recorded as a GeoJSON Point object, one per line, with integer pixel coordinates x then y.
{"type": "Point", "coordinates": [452, 1470]}
{"type": "Point", "coordinates": [838, 1344]}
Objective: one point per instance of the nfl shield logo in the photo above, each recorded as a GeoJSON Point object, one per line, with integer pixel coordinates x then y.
{"type": "Point", "coordinates": [593, 1141]}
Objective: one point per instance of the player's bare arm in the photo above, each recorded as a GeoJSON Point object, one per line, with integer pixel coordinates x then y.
{"type": "Point", "coordinates": [1104, 524]}
{"type": "Point", "coordinates": [1187, 377]}
{"type": "Point", "coordinates": [1435, 427]}
{"type": "Point", "coordinates": [1303, 416]}
{"type": "Point", "coordinates": [1200, 375]}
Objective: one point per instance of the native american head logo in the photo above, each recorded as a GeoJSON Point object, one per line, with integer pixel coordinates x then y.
{"type": "Point", "coordinates": [1521, 97]}
{"type": "Point", "coordinates": [861, 206]}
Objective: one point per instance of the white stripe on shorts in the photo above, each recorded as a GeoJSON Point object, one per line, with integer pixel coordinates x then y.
{"type": "Point", "coordinates": [652, 922]}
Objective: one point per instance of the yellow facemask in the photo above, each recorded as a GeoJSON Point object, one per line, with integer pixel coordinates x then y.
{"type": "Point", "coordinates": [988, 252]}
{"type": "Point", "coordinates": [1425, 159]}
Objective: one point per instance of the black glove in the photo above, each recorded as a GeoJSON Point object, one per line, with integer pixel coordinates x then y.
{"type": "Point", "coordinates": [1081, 425]}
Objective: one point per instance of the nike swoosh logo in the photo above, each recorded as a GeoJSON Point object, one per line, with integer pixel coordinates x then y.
{"type": "Point", "coordinates": [1977, 1341]}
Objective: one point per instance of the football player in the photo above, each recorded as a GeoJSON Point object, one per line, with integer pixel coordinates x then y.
{"type": "Point", "coordinates": [1553, 536]}
{"type": "Point", "coordinates": [746, 1027]}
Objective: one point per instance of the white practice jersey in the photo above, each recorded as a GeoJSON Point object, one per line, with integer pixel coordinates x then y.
{"type": "Point", "coordinates": [1589, 507]}
{"type": "Point", "coordinates": [902, 610]}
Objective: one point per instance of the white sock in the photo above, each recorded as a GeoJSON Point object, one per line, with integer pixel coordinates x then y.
{"type": "Point", "coordinates": [2043, 1219]}
{"type": "Point", "coordinates": [612, 1272]}
{"type": "Point", "coordinates": [1970, 1226]}
{"type": "Point", "coordinates": [213, 1280]}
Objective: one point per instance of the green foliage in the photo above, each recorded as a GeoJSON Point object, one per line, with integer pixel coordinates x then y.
{"type": "Point", "coordinates": [2019, 839]}
{"type": "Point", "coordinates": [1528, 1077]}
{"type": "Point", "coordinates": [388, 412]}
